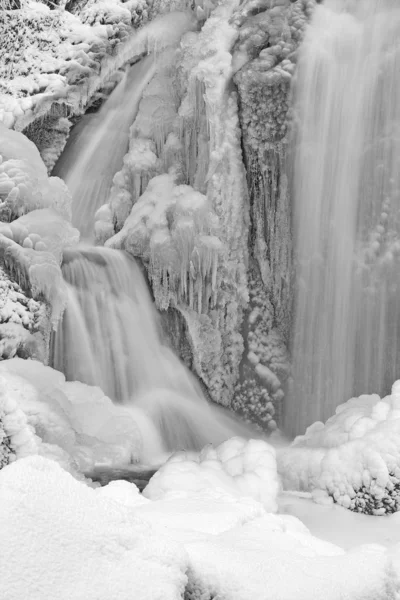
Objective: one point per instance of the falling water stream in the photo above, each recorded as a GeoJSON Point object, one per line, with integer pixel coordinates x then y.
{"type": "Point", "coordinates": [110, 334]}
{"type": "Point", "coordinates": [97, 146]}
{"type": "Point", "coordinates": [346, 187]}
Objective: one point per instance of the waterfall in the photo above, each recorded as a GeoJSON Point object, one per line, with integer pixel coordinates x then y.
{"type": "Point", "coordinates": [101, 139]}
{"type": "Point", "coordinates": [346, 187]}
{"type": "Point", "coordinates": [110, 333]}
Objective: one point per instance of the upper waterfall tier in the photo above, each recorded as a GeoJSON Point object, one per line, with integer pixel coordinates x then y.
{"type": "Point", "coordinates": [95, 152]}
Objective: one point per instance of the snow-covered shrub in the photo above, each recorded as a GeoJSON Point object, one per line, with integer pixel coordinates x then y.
{"type": "Point", "coordinates": [236, 467]}
{"type": "Point", "coordinates": [354, 459]}
{"type": "Point", "coordinates": [23, 322]}
{"type": "Point", "coordinates": [76, 424]}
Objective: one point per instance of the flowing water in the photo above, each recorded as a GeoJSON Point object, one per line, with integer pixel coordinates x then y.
{"type": "Point", "coordinates": [96, 147]}
{"type": "Point", "coordinates": [110, 333]}
{"type": "Point", "coordinates": [346, 187]}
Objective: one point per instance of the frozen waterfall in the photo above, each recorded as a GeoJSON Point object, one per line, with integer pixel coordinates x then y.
{"type": "Point", "coordinates": [346, 187]}
{"type": "Point", "coordinates": [110, 334]}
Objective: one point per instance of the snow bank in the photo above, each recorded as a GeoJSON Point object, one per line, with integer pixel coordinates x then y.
{"type": "Point", "coordinates": [60, 539]}
{"type": "Point", "coordinates": [236, 468]}
{"type": "Point", "coordinates": [237, 551]}
{"type": "Point", "coordinates": [77, 425]}
{"type": "Point", "coordinates": [273, 557]}
{"type": "Point", "coordinates": [354, 458]}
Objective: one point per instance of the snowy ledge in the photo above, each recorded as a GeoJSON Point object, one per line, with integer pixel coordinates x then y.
{"type": "Point", "coordinates": [56, 62]}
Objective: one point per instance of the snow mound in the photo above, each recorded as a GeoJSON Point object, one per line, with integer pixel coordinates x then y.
{"type": "Point", "coordinates": [354, 458]}
{"type": "Point", "coordinates": [237, 467]}
{"type": "Point", "coordinates": [78, 425]}
{"type": "Point", "coordinates": [60, 539]}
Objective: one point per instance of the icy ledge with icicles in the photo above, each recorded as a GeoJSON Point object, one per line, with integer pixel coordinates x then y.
{"type": "Point", "coordinates": [35, 229]}
{"type": "Point", "coordinates": [354, 459]}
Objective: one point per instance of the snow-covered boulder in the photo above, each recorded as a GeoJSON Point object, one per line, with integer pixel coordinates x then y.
{"type": "Point", "coordinates": [236, 467]}
{"type": "Point", "coordinates": [77, 425]}
{"type": "Point", "coordinates": [354, 458]}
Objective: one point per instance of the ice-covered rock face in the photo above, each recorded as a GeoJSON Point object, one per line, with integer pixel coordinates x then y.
{"type": "Point", "coordinates": [354, 459]}
{"type": "Point", "coordinates": [264, 57]}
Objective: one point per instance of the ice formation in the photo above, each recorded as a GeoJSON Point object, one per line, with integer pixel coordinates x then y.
{"type": "Point", "coordinates": [354, 458]}
{"type": "Point", "coordinates": [181, 151]}
{"type": "Point", "coordinates": [173, 229]}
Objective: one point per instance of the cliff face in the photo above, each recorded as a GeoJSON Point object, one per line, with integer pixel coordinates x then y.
{"type": "Point", "coordinates": [203, 196]}
{"type": "Point", "coordinates": [264, 59]}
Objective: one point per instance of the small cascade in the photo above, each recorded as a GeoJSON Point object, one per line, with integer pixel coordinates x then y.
{"type": "Point", "coordinates": [110, 337]}
{"type": "Point", "coordinates": [346, 188]}
{"type": "Point", "coordinates": [110, 334]}
{"type": "Point", "coordinates": [101, 139]}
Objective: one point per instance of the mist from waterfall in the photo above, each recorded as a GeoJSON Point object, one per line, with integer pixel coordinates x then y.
{"type": "Point", "coordinates": [346, 187]}
{"type": "Point", "coordinates": [110, 334]}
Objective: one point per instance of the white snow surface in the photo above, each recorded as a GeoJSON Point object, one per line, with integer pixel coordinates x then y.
{"type": "Point", "coordinates": [359, 447]}
{"type": "Point", "coordinates": [59, 539]}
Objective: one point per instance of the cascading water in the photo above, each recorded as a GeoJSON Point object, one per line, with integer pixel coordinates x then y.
{"type": "Point", "coordinates": [109, 335]}
{"type": "Point", "coordinates": [101, 139]}
{"type": "Point", "coordinates": [346, 188]}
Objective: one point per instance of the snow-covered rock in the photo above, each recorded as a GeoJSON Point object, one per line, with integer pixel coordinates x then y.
{"type": "Point", "coordinates": [35, 210]}
{"type": "Point", "coordinates": [77, 425]}
{"type": "Point", "coordinates": [17, 437]}
{"type": "Point", "coordinates": [354, 459]}
{"type": "Point", "coordinates": [236, 468]}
